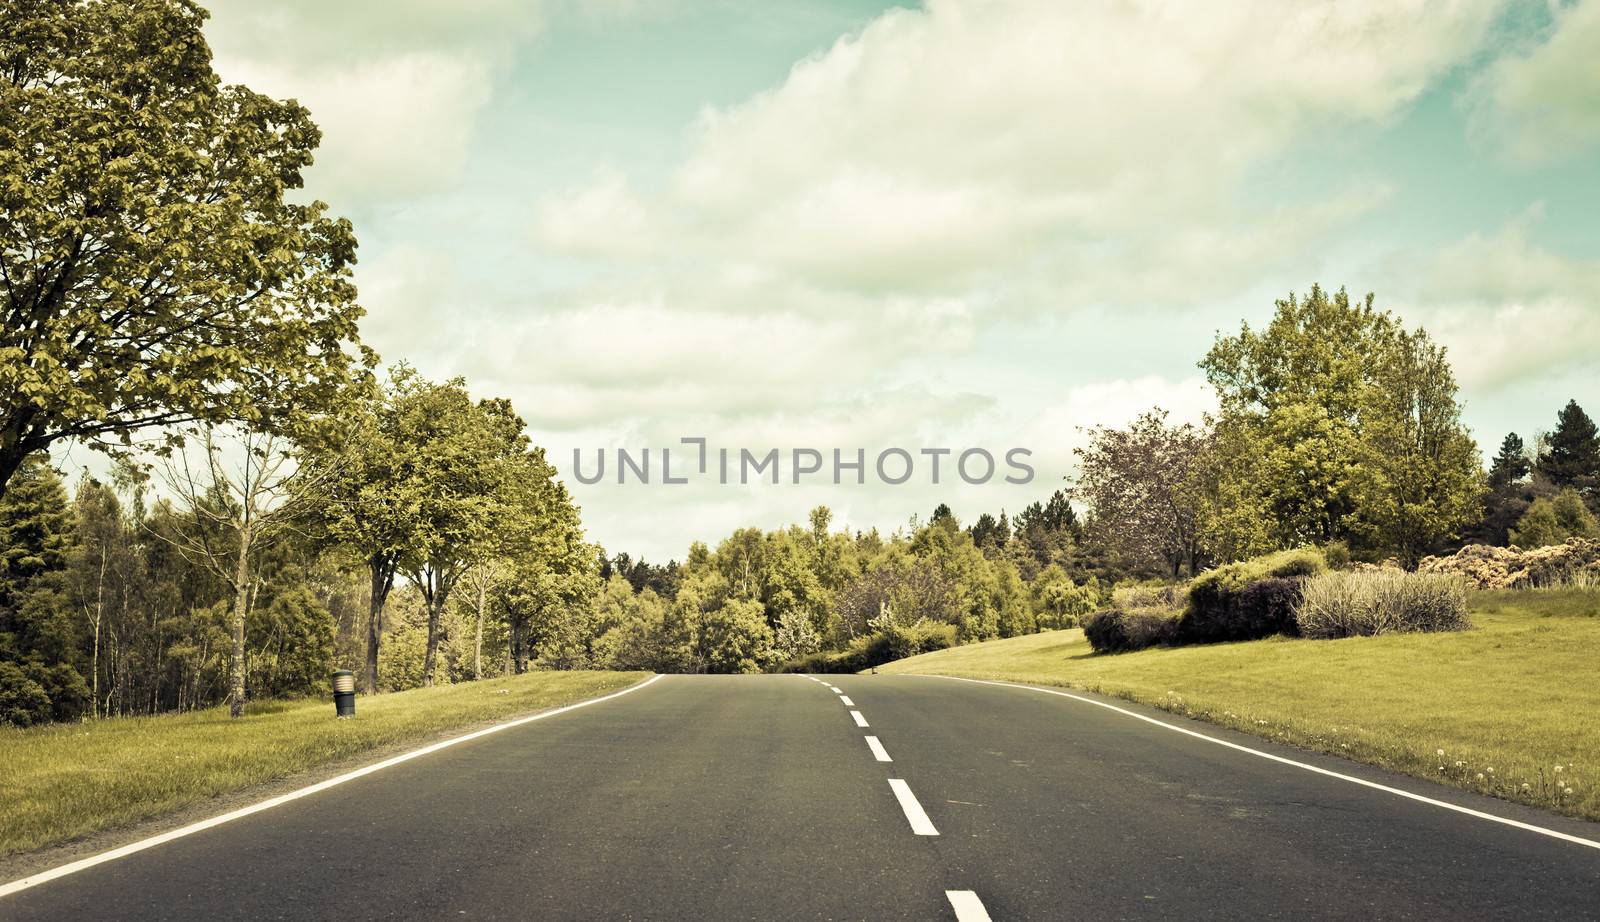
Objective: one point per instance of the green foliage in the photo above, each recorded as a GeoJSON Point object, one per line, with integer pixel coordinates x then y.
{"type": "Point", "coordinates": [1552, 520]}
{"type": "Point", "coordinates": [1233, 577]}
{"type": "Point", "coordinates": [291, 637]}
{"type": "Point", "coordinates": [1336, 424]}
{"type": "Point", "coordinates": [1511, 464]}
{"type": "Point", "coordinates": [23, 701]}
{"type": "Point", "coordinates": [156, 270]}
{"type": "Point", "coordinates": [1572, 457]}
{"type": "Point", "coordinates": [1117, 630]}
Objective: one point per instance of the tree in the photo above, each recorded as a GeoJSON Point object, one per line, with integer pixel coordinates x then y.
{"type": "Point", "coordinates": [1572, 456]}
{"type": "Point", "coordinates": [460, 479]}
{"type": "Point", "coordinates": [1553, 520]}
{"type": "Point", "coordinates": [240, 498]}
{"type": "Point", "coordinates": [1421, 478]}
{"type": "Point", "coordinates": [153, 271]}
{"type": "Point", "coordinates": [369, 502]}
{"type": "Point", "coordinates": [39, 638]}
{"type": "Point", "coordinates": [1142, 485]}
{"type": "Point", "coordinates": [1511, 465]}
{"type": "Point", "coordinates": [1320, 412]}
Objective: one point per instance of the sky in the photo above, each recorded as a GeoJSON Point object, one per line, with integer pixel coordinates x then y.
{"type": "Point", "coordinates": [964, 224]}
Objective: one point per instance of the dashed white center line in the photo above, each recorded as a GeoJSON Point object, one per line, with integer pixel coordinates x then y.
{"type": "Point", "coordinates": [967, 906]}
{"type": "Point", "coordinates": [845, 700]}
{"type": "Point", "coordinates": [860, 721]}
{"type": "Point", "coordinates": [835, 690]}
{"type": "Point", "coordinates": [878, 752]}
{"type": "Point", "coordinates": [920, 824]}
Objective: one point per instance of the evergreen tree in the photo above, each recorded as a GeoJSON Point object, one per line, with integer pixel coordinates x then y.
{"type": "Point", "coordinates": [1572, 458]}
{"type": "Point", "coordinates": [37, 632]}
{"type": "Point", "coordinates": [1511, 465]}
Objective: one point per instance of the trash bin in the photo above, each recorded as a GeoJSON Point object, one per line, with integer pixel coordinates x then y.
{"type": "Point", "coordinates": [344, 693]}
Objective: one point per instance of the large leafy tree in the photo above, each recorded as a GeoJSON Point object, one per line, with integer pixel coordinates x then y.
{"type": "Point", "coordinates": [1336, 424]}
{"type": "Point", "coordinates": [152, 270]}
{"type": "Point", "coordinates": [1421, 481]}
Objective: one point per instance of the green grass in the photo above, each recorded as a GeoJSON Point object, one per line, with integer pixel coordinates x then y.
{"type": "Point", "coordinates": [64, 781]}
{"type": "Point", "coordinates": [1518, 694]}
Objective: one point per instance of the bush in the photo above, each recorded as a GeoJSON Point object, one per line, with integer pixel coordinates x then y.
{"type": "Point", "coordinates": [1381, 602]}
{"type": "Point", "coordinates": [1118, 630]}
{"type": "Point", "coordinates": [1250, 599]}
{"type": "Point", "coordinates": [1261, 608]}
{"type": "Point", "coordinates": [23, 701]}
{"type": "Point", "coordinates": [892, 643]}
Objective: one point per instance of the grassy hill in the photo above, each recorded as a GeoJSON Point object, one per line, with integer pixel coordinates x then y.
{"type": "Point", "coordinates": [62, 781]}
{"type": "Point", "coordinates": [1514, 703]}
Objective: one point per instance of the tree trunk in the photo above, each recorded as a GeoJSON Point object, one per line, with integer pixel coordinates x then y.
{"type": "Point", "coordinates": [436, 591]}
{"type": "Point", "coordinates": [241, 603]}
{"type": "Point", "coordinates": [477, 647]}
{"type": "Point", "coordinates": [381, 568]}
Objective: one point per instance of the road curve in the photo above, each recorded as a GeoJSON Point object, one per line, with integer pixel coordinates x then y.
{"type": "Point", "coordinates": [849, 797]}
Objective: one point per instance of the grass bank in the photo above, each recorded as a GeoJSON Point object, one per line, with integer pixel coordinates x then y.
{"type": "Point", "coordinates": [1507, 702]}
{"type": "Point", "coordinates": [63, 781]}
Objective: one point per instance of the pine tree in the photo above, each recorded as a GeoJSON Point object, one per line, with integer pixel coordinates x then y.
{"type": "Point", "coordinates": [1511, 464]}
{"type": "Point", "coordinates": [1573, 456]}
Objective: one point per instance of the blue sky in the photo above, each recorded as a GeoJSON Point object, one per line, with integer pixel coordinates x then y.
{"type": "Point", "coordinates": [971, 223]}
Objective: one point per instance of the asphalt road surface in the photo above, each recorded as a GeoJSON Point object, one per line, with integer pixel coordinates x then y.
{"type": "Point", "coordinates": [894, 797]}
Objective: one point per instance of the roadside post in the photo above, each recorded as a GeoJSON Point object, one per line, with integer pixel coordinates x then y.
{"type": "Point", "coordinates": [344, 693]}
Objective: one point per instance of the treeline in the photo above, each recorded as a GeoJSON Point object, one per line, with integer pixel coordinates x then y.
{"type": "Point", "coordinates": [763, 599]}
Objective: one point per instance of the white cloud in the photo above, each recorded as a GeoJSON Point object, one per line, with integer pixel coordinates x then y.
{"type": "Point", "coordinates": [1507, 308]}
{"type": "Point", "coordinates": [1544, 104]}
{"type": "Point", "coordinates": [396, 87]}
{"type": "Point", "coordinates": [944, 146]}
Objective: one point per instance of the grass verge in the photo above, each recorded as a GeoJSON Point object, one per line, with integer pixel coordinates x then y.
{"type": "Point", "coordinates": [63, 781]}
{"type": "Point", "coordinates": [1495, 709]}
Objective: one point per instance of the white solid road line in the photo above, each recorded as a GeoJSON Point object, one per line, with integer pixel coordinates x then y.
{"type": "Point", "coordinates": [878, 752]}
{"type": "Point", "coordinates": [920, 824]}
{"type": "Point", "coordinates": [967, 906]}
{"type": "Point", "coordinates": [1552, 833]}
{"type": "Point", "coordinates": [139, 846]}
{"type": "Point", "coordinates": [860, 721]}
{"type": "Point", "coordinates": [845, 700]}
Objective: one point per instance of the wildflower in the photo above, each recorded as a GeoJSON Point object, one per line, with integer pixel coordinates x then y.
{"type": "Point", "coordinates": [1569, 790]}
{"type": "Point", "coordinates": [1480, 776]}
{"type": "Point", "coordinates": [1439, 753]}
{"type": "Point", "coordinates": [1526, 786]}
{"type": "Point", "coordinates": [1558, 769]}
{"type": "Point", "coordinates": [1459, 763]}
{"type": "Point", "coordinates": [1490, 769]}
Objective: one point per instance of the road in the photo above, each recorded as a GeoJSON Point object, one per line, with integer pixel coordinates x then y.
{"type": "Point", "coordinates": [769, 797]}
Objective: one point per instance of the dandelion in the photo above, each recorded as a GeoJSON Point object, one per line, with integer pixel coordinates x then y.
{"type": "Point", "coordinates": [1460, 764]}
{"type": "Point", "coordinates": [1526, 786]}
{"type": "Point", "coordinates": [1480, 776]}
{"type": "Point", "coordinates": [1558, 769]}
{"type": "Point", "coordinates": [1490, 769]}
{"type": "Point", "coordinates": [1569, 792]}
{"type": "Point", "coordinates": [1439, 753]}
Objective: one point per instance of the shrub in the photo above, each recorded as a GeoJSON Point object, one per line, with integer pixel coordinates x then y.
{"type": "Point", "coordinates": [892, 643]}
{"type": "Point", "coordinates": [1250, 599]}
{"type": "Point", "coordinates": [1381, 602]}
{"type": "Point", "coordinates": [23, 701]}
{"type": "Point", "coordinates": [1260, 608]}
{"type": "Point", "coordinates": [1159, 596]}
{"type": "Point", "coordinates": [1118, 630]}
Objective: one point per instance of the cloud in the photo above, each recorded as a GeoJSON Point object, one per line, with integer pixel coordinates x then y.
{"type": "Point", "coordinates": [945, 147]}
{"type": "Point", "coordinates": [396, 87]}
{"type": "Point", "coordinates": [1508, 309]}
{"type": "Point", "coordinates": [1544, 104]}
